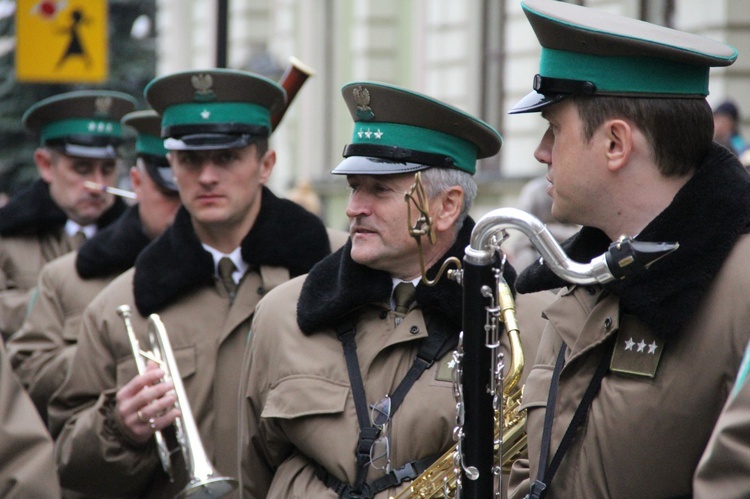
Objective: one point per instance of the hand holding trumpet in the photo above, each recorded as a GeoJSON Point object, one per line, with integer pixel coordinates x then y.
{"type": "Point", "coordinates": [145, 405]}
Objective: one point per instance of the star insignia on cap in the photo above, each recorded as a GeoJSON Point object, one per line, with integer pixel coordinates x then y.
{"type": "Point", "coordinates": [205, 114]}
{"type": "Point", "coordinates": [362, 99]}
{"type": "Point", "coordinates": [378, 134]}
{"type": "Point", "coordinates": [102, 106]}
{"type": "Point", "coordinates": [202, 84]}
{"type": "Point", "coordinates": [368, 133]}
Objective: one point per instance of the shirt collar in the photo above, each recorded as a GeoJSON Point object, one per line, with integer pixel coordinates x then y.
{"type": "Point", "coordinates": [72, 228]}
{"type": "Point", "coordinates": [235, 256]}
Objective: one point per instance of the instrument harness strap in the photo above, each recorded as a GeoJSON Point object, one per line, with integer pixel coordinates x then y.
{"type": "Point", "coordinates": [538, 489]}
{"type": "Point", "coordinates": [437, 344]}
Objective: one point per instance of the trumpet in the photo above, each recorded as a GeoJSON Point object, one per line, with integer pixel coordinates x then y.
{"type": "Point", "coordinates": [203, 481]}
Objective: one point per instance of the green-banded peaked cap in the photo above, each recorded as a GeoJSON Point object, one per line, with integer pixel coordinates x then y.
{"type": "Point", "coordinates": [406, 131]}
{"type": "Point", "coordinates": [83, 123]}
{"type": "Point", "coordinates": [214, 108]}
{"type": "Point", "coordinates": [150, 147]}
{"type": "Point", "coordinates": [587, 51]}
{"type": "Point", "coordinates": [148, 126]}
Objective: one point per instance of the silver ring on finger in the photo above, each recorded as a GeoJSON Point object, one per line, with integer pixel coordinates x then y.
{"type": "Point", "coordinates": [143, 419]}
{"type": "Point", "coordinates": [152, 423]}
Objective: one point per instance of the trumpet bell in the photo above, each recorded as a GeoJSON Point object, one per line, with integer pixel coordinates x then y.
{"type": "Point", "coordinates": [209, 488]}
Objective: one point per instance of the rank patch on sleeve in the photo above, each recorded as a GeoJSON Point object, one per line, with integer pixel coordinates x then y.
{"type": "Point", "coordinates": [636, 352]}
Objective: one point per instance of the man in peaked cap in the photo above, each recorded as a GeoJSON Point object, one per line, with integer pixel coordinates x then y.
{"type": "Point", "coordinates": [42, 349]}
{"type": "Point", "coordinates": [306, 426]}
{"type": "Point", "coordinates": [80, 135]}
{"type": "Point", "coordinates": [230, 243]}
{"type": "Point", "coordinates": [629, 151]}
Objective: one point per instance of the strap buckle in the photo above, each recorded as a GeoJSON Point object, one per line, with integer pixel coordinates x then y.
{"type": "Point", "coordinates": [406, 473]}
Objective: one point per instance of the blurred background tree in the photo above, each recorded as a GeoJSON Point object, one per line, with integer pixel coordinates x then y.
{"type": "Point", "coordinates": [132, 64]}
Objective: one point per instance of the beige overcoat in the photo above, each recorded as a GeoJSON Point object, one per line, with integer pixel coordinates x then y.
{"type": "Point", "coordinates": [298, 411]}
{"type": "Point", "coordinates": [724, 469]}
{"type": "Point", "coordinates": [42, 349]}
{"type": "Point", "coordinates": [27, 468]}
{"type": "Point", "coordinates": [208, 336]}
{"type": "Point", "coordinates": [643, 436]}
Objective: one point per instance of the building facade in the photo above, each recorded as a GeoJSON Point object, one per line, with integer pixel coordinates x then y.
{"type": "Point", "coordinates": [478, 55]}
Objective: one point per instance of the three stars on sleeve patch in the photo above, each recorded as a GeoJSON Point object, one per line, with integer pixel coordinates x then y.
{"type": "Point", "coordinates": [638, 354]}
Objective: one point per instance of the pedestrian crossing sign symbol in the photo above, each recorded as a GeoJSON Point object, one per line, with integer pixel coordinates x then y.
{"type": "Point", "coordinates": [61, 41]}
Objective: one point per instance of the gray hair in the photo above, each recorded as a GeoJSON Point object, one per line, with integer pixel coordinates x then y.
{"type": "Point", "coordinates": [437, 180]}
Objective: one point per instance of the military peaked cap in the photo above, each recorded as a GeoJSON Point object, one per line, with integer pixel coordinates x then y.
{"type": "Point", "coordinates": [398, 131]}
{"type": "Point", "coordinates": [591, 52]}
{"type": "Point", "coordinates": [84, 123]}
{"type": "Point", "coordinates": [214, 108]}
{"type": "Point", "coordinates": [150, 146]}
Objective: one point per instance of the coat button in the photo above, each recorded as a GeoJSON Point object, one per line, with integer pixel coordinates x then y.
{"type": "Point", "coordinates": [591, 290]}
{"type": "Point", "coordinates": [383, 314]}
{"type": "Point", "coordinates": [261, 290]}
{"type": "Point", "coordinates": [414, 329]}
{"type": "Point", "coordinates": [607, 323]}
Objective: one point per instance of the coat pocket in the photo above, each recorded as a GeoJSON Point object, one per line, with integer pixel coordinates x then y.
{"type": "Point", "coordinates": [298, 396]}
{"type": "Point", "coordinates": [536, 389]}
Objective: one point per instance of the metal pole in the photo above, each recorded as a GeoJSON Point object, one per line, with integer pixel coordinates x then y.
{"type": "Point", "coordinates": [221, 33]}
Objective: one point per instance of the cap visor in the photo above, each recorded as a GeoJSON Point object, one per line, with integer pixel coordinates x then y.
{"type": "Point", "coordinates": [535, 101]}
{"type": "Point", "coordinates": [162, 176]}
{"type": "Point", "coordinates": [207, 142]}
{"type": "Point", "coordinates": [105, 152]}
{"type": "Point", "coordinates": [360, 165]}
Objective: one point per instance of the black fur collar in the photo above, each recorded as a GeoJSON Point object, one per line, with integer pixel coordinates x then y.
{"type": "Point", "coordinates": [114, 249]}
{"type": "Point", "coordinates": [284, 235]}
{"type": "Point", "coordinates": [706, 217]}
{"type": "Point", "coordinates": [338, 286]}
{"type": "Point", "coordinates": [32, 211]}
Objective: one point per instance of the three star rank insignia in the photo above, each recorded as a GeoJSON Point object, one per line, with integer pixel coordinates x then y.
{"type": "Point", "coordinates": [637, 352]}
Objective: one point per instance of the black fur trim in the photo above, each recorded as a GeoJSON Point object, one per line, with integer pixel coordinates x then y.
{"type": "Point", "coordinates": [175, 264]}
{"type": "Point", "coordinates": [32, 211]}
{"type": "Point", "coordinates": [114, 249]}
{"type": "Point", "coordinates": [338, 286]}
{"type": "Point", "coordinates": [706, 217]}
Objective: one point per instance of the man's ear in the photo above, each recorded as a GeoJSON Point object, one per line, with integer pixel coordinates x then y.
{"type": "Point", "coordinates": [448, 208]}
{"type": "Point", "coordinates": [267, 162]}
{"type": "Point", "coordinates": [43, 159]}
{"type": "Point", "coordinates": [619, 136]}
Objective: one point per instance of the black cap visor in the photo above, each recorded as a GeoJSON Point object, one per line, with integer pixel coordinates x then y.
{"type": "Point", "coordinates": [548, 91]}
{"type": "Point", "coordinates": [360, 165]}
{"type": "Point", "coordinates": [161, 174]}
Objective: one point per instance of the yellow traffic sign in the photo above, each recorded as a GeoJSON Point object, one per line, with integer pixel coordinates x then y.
{"type": "Point", "coordinates": [61, 41]}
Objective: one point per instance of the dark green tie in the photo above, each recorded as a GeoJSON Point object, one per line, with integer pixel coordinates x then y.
{"type": "Point", "coordinates": [226, 269]}
{"type": "Point", "coordinates": [403, 296]}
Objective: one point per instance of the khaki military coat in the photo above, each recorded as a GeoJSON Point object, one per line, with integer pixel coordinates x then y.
{"type": "Point", "coordinates": [32, 235]}
{"type": "Point", "coordinates": [724, 468]}
{"type": "Point", "coordinates": [677, 332]}
{"type": "Point", "coordinates": [175, 278]}
{"type": "Point", "coordinates": [298, 410]}
{"type": "Point", "coordinates": [42, 349]}
{"type": "Point", "coordinates": [27, 468]}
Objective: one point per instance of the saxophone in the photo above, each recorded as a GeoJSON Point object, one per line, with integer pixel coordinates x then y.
{"type": "Point", "coordinates": [489, 430]}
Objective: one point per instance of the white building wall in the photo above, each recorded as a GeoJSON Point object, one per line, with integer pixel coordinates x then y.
{"type": "Point", "coordinates": [430, 46]}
